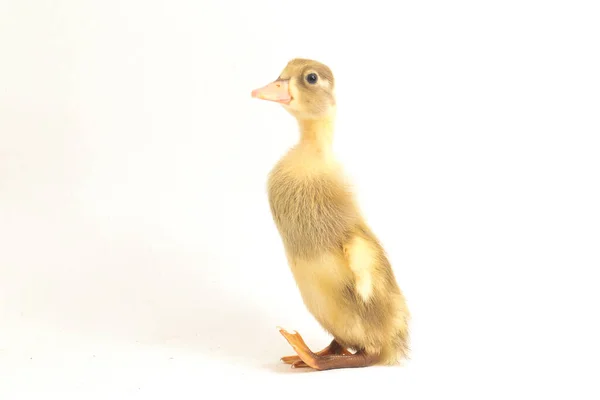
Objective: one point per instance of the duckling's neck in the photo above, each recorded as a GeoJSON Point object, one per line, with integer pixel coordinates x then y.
{"type": "Point", "coordinates": [317, 134]}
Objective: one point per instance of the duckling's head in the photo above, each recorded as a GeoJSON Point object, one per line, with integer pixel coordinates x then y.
{"type": "Point", "coordinates": [305, 88]}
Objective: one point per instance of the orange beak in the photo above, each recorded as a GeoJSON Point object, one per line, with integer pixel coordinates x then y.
{"type": "Point", "coordinates": [278, 91]}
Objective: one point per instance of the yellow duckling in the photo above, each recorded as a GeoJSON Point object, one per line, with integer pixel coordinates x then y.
{"type": "Point", "coordinates": [341, 269]}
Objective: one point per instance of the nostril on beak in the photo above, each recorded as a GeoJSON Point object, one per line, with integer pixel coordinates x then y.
{"type": "Point", "coordinates": [278, 85]}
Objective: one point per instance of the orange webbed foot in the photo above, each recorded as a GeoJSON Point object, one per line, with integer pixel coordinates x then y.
{"type": "Point", "coordinates": [332, 357]}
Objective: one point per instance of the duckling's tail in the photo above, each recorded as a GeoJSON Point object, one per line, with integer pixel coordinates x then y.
{"type": "Point", "coordinates": [395, 353]}
{"type": "Point", "coordinates": [398, 348]}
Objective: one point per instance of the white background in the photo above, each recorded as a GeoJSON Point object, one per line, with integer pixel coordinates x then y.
{"type": "Point", "coordinates": [138, 258]}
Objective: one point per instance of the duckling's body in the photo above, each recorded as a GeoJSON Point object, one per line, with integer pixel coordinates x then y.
{"type": "Point", "coordinates": [341, 270]}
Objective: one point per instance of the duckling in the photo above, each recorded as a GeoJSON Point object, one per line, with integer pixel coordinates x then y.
{"type": "Point", "coordinates": [341, 269]}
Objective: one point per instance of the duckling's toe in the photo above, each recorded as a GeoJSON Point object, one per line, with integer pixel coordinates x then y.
{"type": "Point", "coordinates": [290, 359]}
{"type": "Point", "coordinates": [300, 364]}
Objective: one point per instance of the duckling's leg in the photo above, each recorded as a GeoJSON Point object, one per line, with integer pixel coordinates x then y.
{"type": "Point", "coordinates": [330, 361]}
{"type": "Point", "coordinates": [333, 348]}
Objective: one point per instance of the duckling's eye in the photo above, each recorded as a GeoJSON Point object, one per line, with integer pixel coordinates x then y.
{"type": "Point", "coordinates": [311, 78]}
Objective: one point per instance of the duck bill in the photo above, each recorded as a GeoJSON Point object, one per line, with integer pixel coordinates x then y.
{"type": "Point", "coordinates": [278, 91]}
